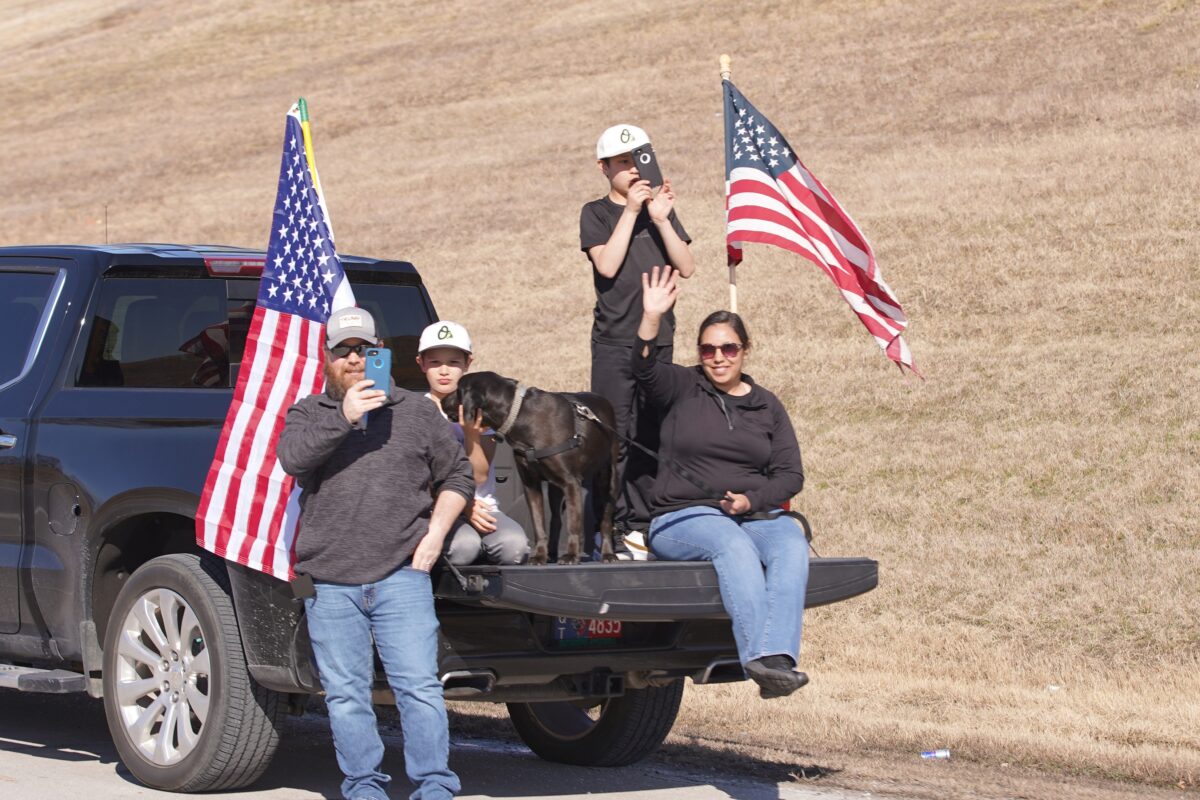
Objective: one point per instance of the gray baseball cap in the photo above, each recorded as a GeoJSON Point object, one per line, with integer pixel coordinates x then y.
{"type": "Point", "coordinates": [350, 323]}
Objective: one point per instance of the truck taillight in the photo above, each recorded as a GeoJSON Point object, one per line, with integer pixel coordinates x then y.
{"type": "Point", "coordinates": [240, 266]}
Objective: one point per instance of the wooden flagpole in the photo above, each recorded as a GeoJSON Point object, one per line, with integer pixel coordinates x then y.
{"type": "Point", "coordinates": [726, 71]}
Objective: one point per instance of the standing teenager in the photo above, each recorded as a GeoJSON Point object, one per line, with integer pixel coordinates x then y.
{"type": "Point", "coordinates": [625, 233]}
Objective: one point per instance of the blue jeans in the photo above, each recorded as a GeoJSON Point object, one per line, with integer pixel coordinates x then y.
{"type": "Point", "coordinates": [398, 612]}
{"type": "Point", "coordinates": [766, 606]}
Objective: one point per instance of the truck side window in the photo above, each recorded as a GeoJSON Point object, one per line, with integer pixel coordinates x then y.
{"type": "Point", "coordinates": [165, 333]}
{"type": "Point", "coordinates": [401, 315]}
{"type": "Point", "coordinates": [22, 301]}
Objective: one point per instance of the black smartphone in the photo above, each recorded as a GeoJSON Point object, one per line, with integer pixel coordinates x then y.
{"type": "Point", "coordinates": [647, 165]}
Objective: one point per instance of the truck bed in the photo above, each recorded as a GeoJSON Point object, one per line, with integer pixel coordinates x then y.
{"type": "Point", "coordinates": [647, 591]}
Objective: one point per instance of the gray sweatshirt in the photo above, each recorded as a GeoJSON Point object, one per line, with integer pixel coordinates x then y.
{"type": "Point", "coordinates": [368, 493]}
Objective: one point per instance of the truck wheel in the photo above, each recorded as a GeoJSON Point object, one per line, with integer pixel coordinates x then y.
{"type": "Point", "coordinates": [620, 731]}
{"type": "Point", "coordinates": [183, 711]}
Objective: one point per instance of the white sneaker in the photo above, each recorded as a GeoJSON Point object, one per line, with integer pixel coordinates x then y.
{"type": "Point", "coordinates": [635, 543]}
{"type": "Point", "coordinates": [623, 549]}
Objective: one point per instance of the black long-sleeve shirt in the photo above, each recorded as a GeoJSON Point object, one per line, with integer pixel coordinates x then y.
{"type": "Point", "coordinates": [741, 444]}
{"type": "Point", "coordinates": [368, 492]}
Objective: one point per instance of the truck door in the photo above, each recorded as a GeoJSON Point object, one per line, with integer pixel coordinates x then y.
{"type": "Point", "coordinates": [27, 297]}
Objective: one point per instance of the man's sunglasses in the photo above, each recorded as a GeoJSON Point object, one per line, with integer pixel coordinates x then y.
{"type": "Point", "coordinates": [343, 350]}
{"type": "Point", "coordinates": [709, 351]}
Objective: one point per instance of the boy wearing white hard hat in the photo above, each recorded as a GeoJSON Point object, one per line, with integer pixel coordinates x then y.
{"type": "Point", "coordinates": [624, 233]}
{"type": "Point", "coordinates": [485, 532]}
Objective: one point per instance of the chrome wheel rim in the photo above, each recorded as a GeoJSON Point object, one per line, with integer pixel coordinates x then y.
{"type": "Point", "coordinates": [162, 682]}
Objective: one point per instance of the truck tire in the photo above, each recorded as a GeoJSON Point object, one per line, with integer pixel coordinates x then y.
{"type": "Point", "coordinates": [621, 730]}
{"type": "Point", "coordinates": [183, 711]}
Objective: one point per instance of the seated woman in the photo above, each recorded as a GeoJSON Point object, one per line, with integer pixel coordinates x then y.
{"type": "Point", "coordinates": [444, 354]}
{"type": "Point", "coordinates": [728, 432]}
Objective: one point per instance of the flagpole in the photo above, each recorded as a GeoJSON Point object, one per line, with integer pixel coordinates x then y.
{"type": "Point", "coordinates": [726, 71]}
{"type": "Point", "coordinates": [308, 148]}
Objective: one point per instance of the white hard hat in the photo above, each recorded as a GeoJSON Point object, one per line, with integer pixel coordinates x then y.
{"type": "Point", "coordinates": [620, 139]}
{"type": "Point", "coordinates": [444, 334]}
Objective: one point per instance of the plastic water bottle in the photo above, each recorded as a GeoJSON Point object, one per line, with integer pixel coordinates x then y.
{"type": "Point", "coordinates": [939, 753]}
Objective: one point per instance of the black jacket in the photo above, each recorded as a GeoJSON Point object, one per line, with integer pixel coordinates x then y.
{"type": "Point", "coordinates": [739, 444]}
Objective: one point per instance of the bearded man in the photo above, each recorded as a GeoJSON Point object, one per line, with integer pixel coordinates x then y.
{"type": "Point", "coordinates": [368, 539]}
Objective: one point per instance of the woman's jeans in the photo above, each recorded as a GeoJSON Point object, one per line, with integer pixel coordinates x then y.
{"type": "Point", "coordinates": [765, 606]}
{"type": "Point", "coordinates": [398, 613]}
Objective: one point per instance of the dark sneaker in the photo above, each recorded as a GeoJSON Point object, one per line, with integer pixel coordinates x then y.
{"type": "Point", "coordinates": [775, 676]}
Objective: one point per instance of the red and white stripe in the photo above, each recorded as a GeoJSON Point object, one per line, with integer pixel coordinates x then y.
{"type": "Point", "coordinates": [248, 511]}
{"type": "Point", "coordinates": [797, 213]}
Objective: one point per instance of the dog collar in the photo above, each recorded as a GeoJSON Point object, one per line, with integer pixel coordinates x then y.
{"type": "Point", "coordinates": [514, 410]}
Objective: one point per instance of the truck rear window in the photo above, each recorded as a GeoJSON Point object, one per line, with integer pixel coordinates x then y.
{"type": "Point", "coordinates": [182, 333]}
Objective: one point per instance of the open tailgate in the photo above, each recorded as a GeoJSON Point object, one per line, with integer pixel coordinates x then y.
{"type": "Point", "coordinates": [635, 590]}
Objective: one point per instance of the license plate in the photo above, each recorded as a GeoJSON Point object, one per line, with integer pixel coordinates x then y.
{"type": "Point", "coordinates": [581, 631]}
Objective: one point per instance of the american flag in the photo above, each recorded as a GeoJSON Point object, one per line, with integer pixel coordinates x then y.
{"type": "Point", "coordinates": [249, 509]}
{"type": "Point", "coordinates": [771, 198]}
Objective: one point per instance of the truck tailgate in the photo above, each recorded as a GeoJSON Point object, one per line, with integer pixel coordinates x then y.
{"type": "Point", "coordinates": [641, 590]}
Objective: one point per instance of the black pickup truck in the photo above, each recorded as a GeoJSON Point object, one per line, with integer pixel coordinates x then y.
{"type": "Point", "coordinates": [115, 377]}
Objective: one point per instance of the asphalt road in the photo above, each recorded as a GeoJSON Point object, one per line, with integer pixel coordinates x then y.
{"type": "Point", "coordinates": [56, 746]}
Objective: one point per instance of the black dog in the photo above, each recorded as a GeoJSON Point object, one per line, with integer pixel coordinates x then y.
{"type": "Point", "coordinates": [551, 443]}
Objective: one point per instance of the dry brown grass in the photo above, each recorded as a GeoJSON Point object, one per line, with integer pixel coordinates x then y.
{"type": "Point", "coordinates": [1026, 171]}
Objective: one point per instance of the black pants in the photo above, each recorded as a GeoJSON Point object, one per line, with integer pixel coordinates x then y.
{"type": "Point", "coordinates": [612, 379]}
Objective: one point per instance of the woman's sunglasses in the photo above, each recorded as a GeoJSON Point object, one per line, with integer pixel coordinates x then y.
{"type": "Point", "coordinates": [343, 350]}
{"type": "Point", "coordinates": [709, 351]}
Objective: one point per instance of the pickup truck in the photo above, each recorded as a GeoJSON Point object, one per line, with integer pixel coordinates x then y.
{"type": "Point", "coordinates": [115, 378]}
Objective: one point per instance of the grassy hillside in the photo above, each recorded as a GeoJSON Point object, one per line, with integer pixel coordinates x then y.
{"type": "Point", "coordinates": [1027, 172]}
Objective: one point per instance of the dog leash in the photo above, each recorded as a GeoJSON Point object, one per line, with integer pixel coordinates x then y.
{"type": "Point", "coordinates": [588, 414]}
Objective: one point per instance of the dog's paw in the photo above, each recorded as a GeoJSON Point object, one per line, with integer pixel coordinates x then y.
{"type": "Point", "coordinates": [570, 561]}
{"type": "Point", "coordinates": [538, 559]}
{"type": "Point", "coordinates": [609, 558]}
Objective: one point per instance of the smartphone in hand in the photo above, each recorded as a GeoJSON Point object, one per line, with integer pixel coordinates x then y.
{"type": "Point", "coordinates": [378, 369]}
{"type": "Point", "coordinates": [647, 165]}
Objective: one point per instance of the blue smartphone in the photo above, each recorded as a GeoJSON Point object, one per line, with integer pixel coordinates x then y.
{"type": "Point", "coordinates": [379, 367]}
